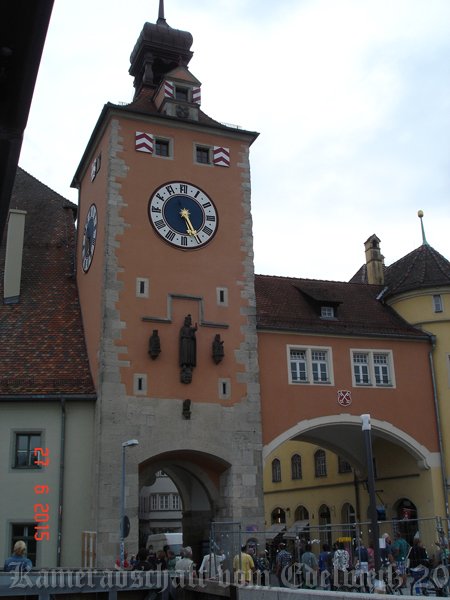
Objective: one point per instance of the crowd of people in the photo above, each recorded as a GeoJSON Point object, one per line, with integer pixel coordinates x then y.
{"type": "Point", "coordinates": [163, 559]}
{"type": "Point", "coordinates": [327, 568]}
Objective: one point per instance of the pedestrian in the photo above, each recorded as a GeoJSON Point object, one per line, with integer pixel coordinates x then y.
{"type": "Point", "coordinates": [283, 562]}
{"type": "Point", "coordinates": [310, 567]}
{"type": "Point", "coordinates": [243, 567]}
{"type": "Point", "coordinates": [341, 561]}
{"type": "Point", "coordinates": [18, 560]}
{"type": "Point", "coordinates": [400, 549]}
{"type": "Point", "coordinates": [325, 566]}
{"type": "Point", "coordinates": [361, 565]}
{"type": "Point", "coordinates": [261, 574]}
{"type": "Point", "coordinates": [211, 566]}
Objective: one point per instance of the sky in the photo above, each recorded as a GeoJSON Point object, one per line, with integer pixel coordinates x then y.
{"type": "Point", "coordinates": [351, 99]}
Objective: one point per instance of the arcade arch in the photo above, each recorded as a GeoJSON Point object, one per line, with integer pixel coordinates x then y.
{"type": "Point", "coordinates": [336, 495]}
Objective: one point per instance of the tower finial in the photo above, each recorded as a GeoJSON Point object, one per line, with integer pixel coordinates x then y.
{"type": "Point", "coordinates": [424, 239]}
{"type": "Point", "coordinates": [161, 20]}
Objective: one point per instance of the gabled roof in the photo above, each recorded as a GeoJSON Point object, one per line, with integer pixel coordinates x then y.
{"type": "Point", "coordinates": [42, 349]}
{"type": "Point", "coordinates": [422, 268]}
{"type": "Point", "coordinates": [284, 303]}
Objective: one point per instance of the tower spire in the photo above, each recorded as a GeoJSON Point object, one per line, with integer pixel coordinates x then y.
{"type": "Point", "coordinates": [161, 20]}
{"type": "Point", "coordinates": [424, 239]}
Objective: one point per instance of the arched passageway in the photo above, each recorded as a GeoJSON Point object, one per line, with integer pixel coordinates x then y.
{"type": "Point", "coordinates": [197, 478]}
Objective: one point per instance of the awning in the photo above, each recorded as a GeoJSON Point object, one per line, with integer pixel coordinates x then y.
{"type": "Point", "coordinates": [295, 529]}
{"type": "Point", "coordinates": [274, 530]}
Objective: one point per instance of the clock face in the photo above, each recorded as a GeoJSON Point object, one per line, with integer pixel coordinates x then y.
{"type": "Point", "coordinates": [89, 238]}
{"type": "Point", "coordinates": [183, 215]}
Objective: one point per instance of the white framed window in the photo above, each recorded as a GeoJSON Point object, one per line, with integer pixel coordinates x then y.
{"type": "Point", "coordinates": [154, 501]}
{"type": "Point", "coordinates": [372, 368]}
{"type": "Point", "coordinates": [311, 365]}
{"type": "Point", "coordinates": [142, 287]}
{"type": "Point", "coordinates": [176, 504]}
{"type": "Point", "coordinates": [222, 296]}
{"type": "Point", "coordinates": [437, 303]}
{"type": "Point", "coordinates": [327, 312]}
{"type": "Point", "coordinates": [224, 389]}
{"type": "Point", "coordinates": [164, 501]}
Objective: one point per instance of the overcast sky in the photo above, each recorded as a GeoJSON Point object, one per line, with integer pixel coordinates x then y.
{"type": "Point", "coordinates": [351, 99]}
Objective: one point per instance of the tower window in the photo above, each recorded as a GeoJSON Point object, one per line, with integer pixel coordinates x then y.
{"type": "Point", "coordinates": [224, 389]}
{"type": "Point", "coordinates": [182, 93]}
{"type": "Point", "coordinates": [142, 287]}
{"type": "Point", "coordinates": [437, 303]}
{"type": "Point", "coordinates": [140, 384]}
{"type": "Point", "coordinates": [222, 296]}
{"type": "Point", "coordinates": [162, 147]}
{"type": "Point", "coordinates": [203, 155]}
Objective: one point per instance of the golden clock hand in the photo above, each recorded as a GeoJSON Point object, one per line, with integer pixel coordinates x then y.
{"type": "Point", "coordinates": [190, 229]}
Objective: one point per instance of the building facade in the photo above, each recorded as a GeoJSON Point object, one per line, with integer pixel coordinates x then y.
{"type": "Point", "coordinates": [142, 342]}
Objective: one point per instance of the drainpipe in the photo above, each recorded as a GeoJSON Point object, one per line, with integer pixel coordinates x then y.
{"type": "Point", "coordinates": [61, 481]}
{"type": "Point", "coordinates": [438, 425]}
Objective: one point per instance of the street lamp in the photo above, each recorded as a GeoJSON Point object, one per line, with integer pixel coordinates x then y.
{"type": "Point", "coordinates": [366, 428]}
{"type": "Point", "coordinates": [122, 501]}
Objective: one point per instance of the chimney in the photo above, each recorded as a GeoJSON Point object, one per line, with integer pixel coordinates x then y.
{"type": "Point", "coordinates": [374, 261]}
{"type": "Point", "coordinates": [13, 260]}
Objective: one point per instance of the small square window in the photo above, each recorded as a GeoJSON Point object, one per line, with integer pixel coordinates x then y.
{"type": "Point", "coordinates": [203, 155]}
{"type": "Point", "coordinates": [24, 456]}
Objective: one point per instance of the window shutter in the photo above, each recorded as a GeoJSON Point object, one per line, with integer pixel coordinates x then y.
{"type": "Point", "coordinates": [221, 156]}
{"type": "Point", "coordinates": [197, 95]}
{"type": "Point", "coordinates": [169, 89]}
{"type": "Point", "coordinates": [144, 142]}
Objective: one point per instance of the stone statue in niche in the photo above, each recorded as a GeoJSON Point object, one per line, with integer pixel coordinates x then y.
{"type": "Point", "coordinates": [217, 349]}
{"type": "Point", "coordinates": [154, 345]}
{"type": "Point", "coordinates": [188, 349]}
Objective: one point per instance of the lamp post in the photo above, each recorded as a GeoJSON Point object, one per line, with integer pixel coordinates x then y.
{"type": "Point", "coordinates": [122, 501]}
{"type": "Point", "coordinates": [366, 428]}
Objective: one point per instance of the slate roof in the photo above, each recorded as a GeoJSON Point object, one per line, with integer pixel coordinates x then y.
{"type": "Point", "coordinates": [42, 349]}
{"type": "Point", "coordinates": [422, 268]}
{"type": "Point", "coordinates": [291, 304]}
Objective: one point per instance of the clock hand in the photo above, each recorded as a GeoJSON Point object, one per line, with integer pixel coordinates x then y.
{"type": "Point", "coordinates": [190, 229]}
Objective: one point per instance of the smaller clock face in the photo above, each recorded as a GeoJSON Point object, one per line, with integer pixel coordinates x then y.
{"type": "Point", "coordinates": [89, 238]}
{"type": "Point", "coordinates": [183, 215]}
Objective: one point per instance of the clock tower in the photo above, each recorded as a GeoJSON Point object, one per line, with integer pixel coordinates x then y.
{"type": "Point", "coordinates": [166, 283]}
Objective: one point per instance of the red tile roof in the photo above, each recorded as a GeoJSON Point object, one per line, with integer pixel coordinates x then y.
{"type": "Point", "coordinates": [291, 304]}
{"type": "Point", "coordinates": [42, 349]}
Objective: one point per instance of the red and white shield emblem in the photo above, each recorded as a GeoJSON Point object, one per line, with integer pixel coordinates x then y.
{"type": "Point", "coordinates": [344, 397]}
